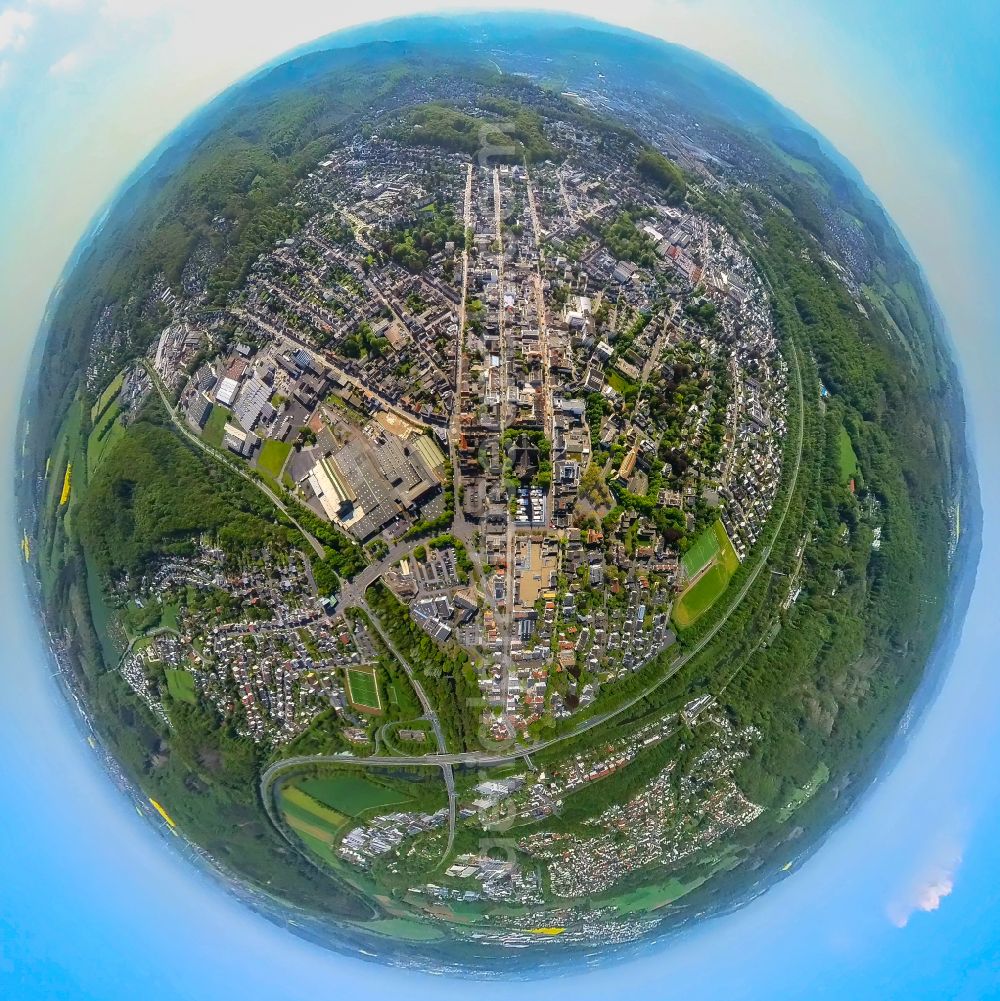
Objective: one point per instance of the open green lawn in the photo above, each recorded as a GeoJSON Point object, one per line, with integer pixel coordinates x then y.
{"type": "Point", "coordinates": [702, 551]}
{"type": "Point", "coordinates": [180, 684]}
{"type": "Point", "coordinates": [317, 845]}
{"type": "Point", "coordinates": [727, 553]}
{"type": "Point", "coordinates": [619, 383]}
{"type": "Point", "coordinates": [650, 898]}
{"type": "Point", "coordinates": [55, 523]}
{"type": "Point", "coordinates": [66, 450]}
{"type": "Point", "coordinates": [847, 458]}
{"type": "Point", "coordinates": [364, 689]}
{"type": "Point", "coordinates": [351, 794]}
{"type": "Point", "coordinates": [215, 428]}
{"type": "Point", "coordinates": [409, 929]}
{"type": "Point", "coordinates": [168, 619]}
{"type": "Point", "coordinates": [107, 398]}
{"type": "Point", "coordinates": [803, 795]}
{"type": "Point", "coordinates": [272, 457]}
{"type": "Point", "coordinates": [105, 433]}
{"type": "Point", "coordinates": [297, 804]}
{"type": "Point", "coordinates": [700, 596]}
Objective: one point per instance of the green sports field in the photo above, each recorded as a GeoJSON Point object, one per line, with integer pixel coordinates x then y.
{"type": "Point", "coordinates": [702, 551]}
{"type": "Point", "coordinates": [714, 558]}
{"type": "Point", "coordinates": [700, 596]}
{"type": "Point", "coordinates": [364, 689]}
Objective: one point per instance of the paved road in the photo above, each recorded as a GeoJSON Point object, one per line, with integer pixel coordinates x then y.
{"type": "Point", "coordinates": [295, 343]}
{"type": "Point", "coordinates": [431, 716]}
{"type": "Point", "coordinates": [517, 752]}
{"type": "Point", "coordinates": [354, 595]}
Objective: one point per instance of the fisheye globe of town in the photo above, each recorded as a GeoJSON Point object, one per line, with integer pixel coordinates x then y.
{"type": "Point", "coordinates": [492, 484]}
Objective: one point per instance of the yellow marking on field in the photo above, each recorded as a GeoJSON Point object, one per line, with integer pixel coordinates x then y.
{"type": "Point", "coordinates": [67, 480]}
{"type": "Point", "coordinates": [26, 548]}
{"type": "Point", "coordinates": [163, 813]}
{"type": "Point", "coordinates": [546, 931]}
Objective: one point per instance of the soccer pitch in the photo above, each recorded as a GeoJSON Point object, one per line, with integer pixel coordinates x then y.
{"type": "Point", "coordinates": [364, 689]}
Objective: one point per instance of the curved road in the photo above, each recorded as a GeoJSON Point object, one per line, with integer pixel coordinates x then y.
{"type": "Point", "coordinates": [430, 715]}
{"type": "Point", "coordinates": [446, 761]}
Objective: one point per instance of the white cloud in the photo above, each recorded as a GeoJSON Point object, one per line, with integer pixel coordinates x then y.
{"type": "Point", "coordinates": [933, 881]}
{"type": "Point", "coordinates": [118, 10]}
{"type": "Point", "coordinates": [59, 4]}
{"type": "Point", "coordinates": [14, 28]}
{"type": "Point", "coordinates": [69, 63]}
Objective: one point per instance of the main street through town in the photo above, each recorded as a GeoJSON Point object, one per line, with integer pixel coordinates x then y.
{"type": "Point", "coordinates": [486, 759]}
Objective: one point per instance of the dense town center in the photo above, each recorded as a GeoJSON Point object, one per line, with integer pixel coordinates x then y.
{"type": "Point", "coordinates": [549, 402]}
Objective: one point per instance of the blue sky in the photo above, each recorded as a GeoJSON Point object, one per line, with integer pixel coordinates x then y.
{"type": "Point", "coordinates": [902, 900]}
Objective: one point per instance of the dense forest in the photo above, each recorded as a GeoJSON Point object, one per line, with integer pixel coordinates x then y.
{"type": "Point", "coordinates": [153, 495]}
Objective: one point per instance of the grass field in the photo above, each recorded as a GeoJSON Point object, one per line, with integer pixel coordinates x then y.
{"type": "Point", "coordinates": [215, 428]}
{"type": "Point", "coordinates": [180, 684]}
{"type": "Point", "coordinates": [107, 398]}
{"type": "Point", "coordinates": [66, 452]}
{"type": "Point", "coordinates": [55, 525]}
{"type": "Point", "coordinates": [364, 689]}
{"type": "Point", "coordinates": [702, 551]}
{"type": "Point", "coordinates": [619, 383]}
{"type": "Point", "coordinates": [105, 433]}
{"type": "Point", "coordinates": [408, 929]}
{"type": "Point", "coordinates": [272, 457]}
{"type": "Point", "coordinates": [316, 824]}
{"type": "Point", "coordinates": [350, 794]}
{"type": "Point", "coordinates": [712, 555]}
{"type": "Point", "coordinates": [806, 793]}
{"type": "Point", "coordinates": [727, 554]}
{"type": "Point", "coordinates": [651, 898]}
{"type": "Point", "coordinates": [168, 618]}
{"type": "Point", "coordinates": [847, 458]}
{"type": "Point", "coordinates": [700, 596]}
{"type": "Point", "coordinates": [306, 807]}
